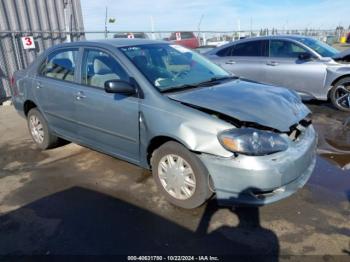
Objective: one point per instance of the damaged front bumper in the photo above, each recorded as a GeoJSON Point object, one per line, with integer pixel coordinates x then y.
{"type": "Point", "coordinates": [260, 180]}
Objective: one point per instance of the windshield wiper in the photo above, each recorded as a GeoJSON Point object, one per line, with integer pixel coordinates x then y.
{"type": "Point", "coordinates": [217, 79]}
{"type": "Point", "coordinates": [209, 82]}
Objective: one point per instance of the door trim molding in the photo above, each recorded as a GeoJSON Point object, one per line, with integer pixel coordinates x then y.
{"type": "Point", "coordinates": [93, 127]}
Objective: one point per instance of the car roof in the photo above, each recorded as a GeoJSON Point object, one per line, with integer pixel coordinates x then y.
{"type": "Point", "coordinates": [249, 39]}
{"type": "Point", "coordinates": [268, 37]}
{"type": "Point", "coordinates": [294, 37]}
{"type": "Point", "coordinates": [116, 42]}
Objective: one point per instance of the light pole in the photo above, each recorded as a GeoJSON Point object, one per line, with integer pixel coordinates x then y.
{"type": "Point", "coordinates": [106, 23]}
{"type": "Point", "coordinates": [110, 20]}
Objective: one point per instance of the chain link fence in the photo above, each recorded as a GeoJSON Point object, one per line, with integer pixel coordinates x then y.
{"type": "Point", "coordinates": [206, 37]}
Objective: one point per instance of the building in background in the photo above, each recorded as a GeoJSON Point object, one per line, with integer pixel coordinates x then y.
{"type": "Point", "coordinates": [28, 27]}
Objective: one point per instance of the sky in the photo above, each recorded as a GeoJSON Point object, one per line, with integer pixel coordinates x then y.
{"type": "Point", "coordinates": [220, 15]}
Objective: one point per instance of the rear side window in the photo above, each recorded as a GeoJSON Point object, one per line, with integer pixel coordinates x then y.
{"type": "Point", "coordinates": [99, 67]}
{"type": "Point", "coordinates": [225, 51]}
{"type": "Point", "coordinates": [252, 48]}
{"type": "Point", "coordinates": [60, 65]}
{"type": "Point", "coordinates": [282, 48]}
{"type": "Point", "coordinates": [187, 35]}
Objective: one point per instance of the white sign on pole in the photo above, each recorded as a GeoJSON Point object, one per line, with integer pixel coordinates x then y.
{"type": "Point", "coordinates": [28, 42]}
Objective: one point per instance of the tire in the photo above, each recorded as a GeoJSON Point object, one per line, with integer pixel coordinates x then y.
{"type": "Point", "coordinates": [336, 92]}
{"type": "Point", "coordinates": [49, 140]}
{"type": "Point", "coordinates": [196, 195]}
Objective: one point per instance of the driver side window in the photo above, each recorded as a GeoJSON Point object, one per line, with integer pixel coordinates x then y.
{"type": "Point", "coordinates": [99, 67]}
{"type": "Point", "coordinates": [287, 49]}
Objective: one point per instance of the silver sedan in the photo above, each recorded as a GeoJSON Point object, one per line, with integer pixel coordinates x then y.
{"type": "Point", "coordinates": [312, 68]}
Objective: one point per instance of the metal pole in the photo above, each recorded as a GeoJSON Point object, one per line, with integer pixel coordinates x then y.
{"type": "Point", "coordinates": [16, 51]}
{"type": "Point", "coordinates": [239, 28]}
{"type": "Point", "coordinates": [68, 19]}
{"type": "Point", "coordinates": [251, 26]}
{"type": "Point", "coordinates": [152, 27]}
{"type": "Point", "coordinates": [199, 28]}
{"type": "Point", "coordinates": [106, 23]}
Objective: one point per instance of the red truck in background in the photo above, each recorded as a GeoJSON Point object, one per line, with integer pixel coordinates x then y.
{"type": "Point", "coordinates": [186, 39]}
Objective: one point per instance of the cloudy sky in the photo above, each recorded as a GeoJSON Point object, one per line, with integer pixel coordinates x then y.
{"type": "Point", "coordinates": [135, 15]}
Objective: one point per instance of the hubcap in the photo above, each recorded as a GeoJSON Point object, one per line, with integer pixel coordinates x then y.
{"type": "Point", "coordinates": [342, 96]}
{"type": "Point", "coordinates": [176, 177]}
{"type": "Point", "coordinates": [36, 129]}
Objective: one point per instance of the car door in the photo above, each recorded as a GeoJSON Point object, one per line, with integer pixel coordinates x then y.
{"type": "Point", "coordinates": [286, 67]}
{"type": "Point", "coordinates": [107, 122]}
{"type": "Point", "coordinates": [245, 59]}
{"type": "Point", "coordinates": [54, 89]}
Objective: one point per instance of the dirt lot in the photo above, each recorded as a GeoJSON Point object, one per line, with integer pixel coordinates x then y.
{"type": "Point", "coordinates": [72, 200]}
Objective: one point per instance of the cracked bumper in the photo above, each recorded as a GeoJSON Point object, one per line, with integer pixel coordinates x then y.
{"type": "Point", "coordinates": [260, 180]}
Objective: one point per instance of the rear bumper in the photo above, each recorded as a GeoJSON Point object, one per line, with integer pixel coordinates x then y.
{"type": "Point", "coordinates": [18, 104]}
{"type": "Point", "coordinates": [260, 180]}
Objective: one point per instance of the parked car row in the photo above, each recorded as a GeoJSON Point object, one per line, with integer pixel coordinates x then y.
{"type": "Point", "coordinates": [186, 39]}
{"type": "Point", "coordinates": [131, 35]}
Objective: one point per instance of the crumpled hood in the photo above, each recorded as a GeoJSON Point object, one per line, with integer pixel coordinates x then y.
{"type": "Point", "coordinates": [269, 106]}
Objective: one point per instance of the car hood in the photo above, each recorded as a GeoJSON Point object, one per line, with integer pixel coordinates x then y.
{"type": "Point", "coordinates": [345, 55]}
{"type": "Point", "coordinates": [269, 106]}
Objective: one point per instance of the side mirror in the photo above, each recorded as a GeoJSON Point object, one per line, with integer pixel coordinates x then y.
{"type": "Point", "coordinates": [119, 87]}
{"type": "Point", "coordinates": [304, 56]}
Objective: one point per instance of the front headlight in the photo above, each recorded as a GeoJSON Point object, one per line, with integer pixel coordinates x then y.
{"type": "Point", "coordinates": [251, 141]}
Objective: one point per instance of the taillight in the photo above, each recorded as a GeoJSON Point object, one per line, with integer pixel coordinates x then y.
{"type": "Point", "coordinates": [13, 86]}
{"type": "Point", "coordinates": [12, 81]}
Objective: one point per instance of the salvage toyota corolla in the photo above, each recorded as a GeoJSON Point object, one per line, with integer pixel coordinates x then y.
{"type": "Point", "coordinates": [165, 108]}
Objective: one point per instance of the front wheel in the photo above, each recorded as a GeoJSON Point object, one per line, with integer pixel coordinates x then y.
{"type": "Point", "coordinates": [340, 94]}
{"type": "Point", "coordinates": [180, 175]}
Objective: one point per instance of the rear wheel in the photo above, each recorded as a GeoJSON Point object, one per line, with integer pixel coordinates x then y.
{"type": "Point", "coordinates": [180, 175]}
{"type": "Point", "coordinates": [39, 130]}
{"type": "Point", "coordinates": [340, 94]}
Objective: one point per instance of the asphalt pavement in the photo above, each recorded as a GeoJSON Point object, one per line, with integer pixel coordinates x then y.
{"type": "Point", "coordinates": [75, 201]}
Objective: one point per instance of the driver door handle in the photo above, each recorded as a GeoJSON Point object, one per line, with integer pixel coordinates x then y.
{"type": "Point", "coordinates": [80, 95]}
{"type": "Point", "coordinates": [230, 62]}
{"type": "Point", "coordinates": [272, 63]}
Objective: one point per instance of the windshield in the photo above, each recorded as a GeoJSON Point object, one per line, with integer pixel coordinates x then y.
{"type": "Point", "coordinates": [321, 48]}
{"type": "Point", "coordinates": [172, 66]}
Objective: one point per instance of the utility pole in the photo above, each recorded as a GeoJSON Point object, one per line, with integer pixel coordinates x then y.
{"type": "Point", "coordinates": [68, 19]}
{"type": "Point", "coordinates": [152, 27]}
{"type": "Point", "coordinates": [239, 28]}
{"type": "Point", "coordinates": [106, 23]}
{"type": "Point", "coordinates": [251, 26]}
{"type": "Point", "coordinates": [199, 27]}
